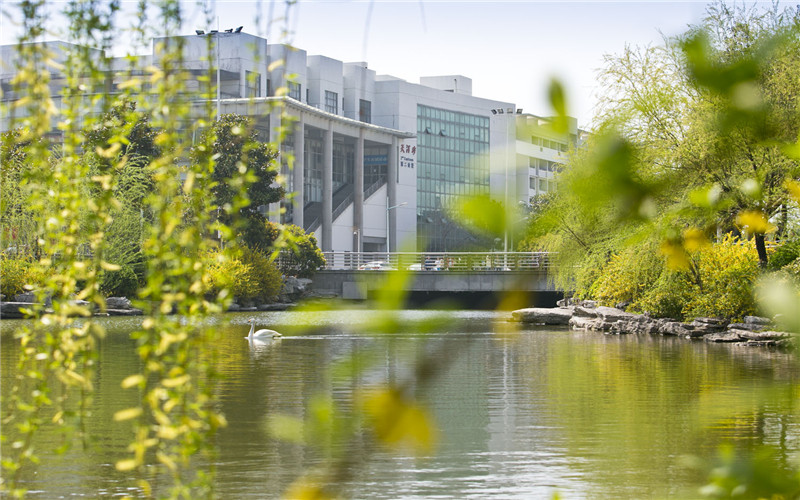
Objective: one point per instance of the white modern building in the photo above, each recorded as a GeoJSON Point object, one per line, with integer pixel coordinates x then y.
{"type": "Point", "coordinates": [540, 154]}
{"type": "Point", "coordinates": [377, 159]}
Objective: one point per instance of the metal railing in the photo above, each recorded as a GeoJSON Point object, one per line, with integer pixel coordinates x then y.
{"type": "Point", "coordinates": [437, 261]}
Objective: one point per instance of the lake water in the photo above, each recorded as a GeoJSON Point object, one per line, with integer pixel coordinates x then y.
{"type": "Point", "coordinates": [522, 413]}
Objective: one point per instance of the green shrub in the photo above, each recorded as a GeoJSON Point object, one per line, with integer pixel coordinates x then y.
{"type": "Point", "coordinates": [225, 272]}
{"type": "Point", "coordinates": [667, 297]}
{"type": "Point", "coordinates": [264, 275]}
{"type": "Point", "coordinates": [247, 275]}
{"type": "Point", "coordinates": [725, 284]}
{"type": "Point", "coordinates": [120, 283]}
{"type": "Point", "coordinates": [19, 274]}
{"type": "Point", "coordinates": [627, 276]}
{"type": "Point", "coordinates": [720, 281]}
{"type": "Point", "coordinates": [784, 255]}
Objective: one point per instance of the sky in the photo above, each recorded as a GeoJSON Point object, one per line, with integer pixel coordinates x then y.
{"type": "Point", "coordinates": [510, 49]}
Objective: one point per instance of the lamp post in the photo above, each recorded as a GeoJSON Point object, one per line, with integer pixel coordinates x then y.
{"type": "Point", "coordinates": [510, 114]}
{"type": "Point", "coordinates": [388, 208]}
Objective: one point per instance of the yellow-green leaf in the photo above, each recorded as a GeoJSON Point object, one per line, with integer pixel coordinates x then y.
{"type": "Point", "coordinates": [127, 414]}
{"type": "Point", "coordinates": [754, 221]}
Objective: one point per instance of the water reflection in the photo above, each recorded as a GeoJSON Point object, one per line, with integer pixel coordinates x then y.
{"type": "Point", "coordinates": [522, 414]}
{"type": "Point", "coordinates": [259, 347]}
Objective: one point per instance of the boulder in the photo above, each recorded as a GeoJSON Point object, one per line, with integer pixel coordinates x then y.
{"type": "Point", "coordinates": [12, 310]}
{"type": "Point", "coordinates": [584, 323]}
{"type": "Point", "coordinates": [728, 336]}
{"type": "Point", "coordinates": [543, 315]}
{"type": "Point", "coordinates": [584, 312]}
{"type": "Point", "coordinates": [612, 314]}
{"type": "Point", "coordinates": [124, 312]}
{"type": "Point", "coordinates": [118, 303]}
{"type": "Point", "coordinates": [669, 327]}
{"type": "Point", "coordinates": [762, 336]}
{"type": "Point", "coordinates": [757, 321]}
{"type": "Point", "coordinates": [294, 289]}
{"type": "Point", "coordinates": [705, 326]}
{"type": "Point", "coordinates": [714, 322]}
{"type": "Point", "coordinates": [26, 298]}
{"type": "Point", "coordinates": [576, 302]}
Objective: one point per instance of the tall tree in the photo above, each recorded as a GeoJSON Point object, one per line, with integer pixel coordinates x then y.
{"type": "Point", "coordinates": [237, 152]}
{"type": "Point", "coordinates": [691, 133]}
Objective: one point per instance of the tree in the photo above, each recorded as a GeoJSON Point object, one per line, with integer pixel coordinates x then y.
{"type": "Point", "coordinates": [138, 137]}
{"type": "Point", "coordinates": [237, 150]}
{"type": "Point", "coordinates": [690, 143]}
{"type": "Point", "coordinates": [239, 158]}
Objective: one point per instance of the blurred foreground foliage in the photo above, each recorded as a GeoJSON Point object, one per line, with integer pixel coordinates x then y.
{"type": "Point", "coordinates": [124, 193]}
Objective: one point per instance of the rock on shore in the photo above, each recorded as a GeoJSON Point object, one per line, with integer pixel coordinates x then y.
{"type": "Point", "coordinates": [589, 317]}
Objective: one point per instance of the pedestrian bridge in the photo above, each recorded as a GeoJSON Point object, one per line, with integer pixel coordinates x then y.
{"type": "Point", "coordinates": [356, 275]}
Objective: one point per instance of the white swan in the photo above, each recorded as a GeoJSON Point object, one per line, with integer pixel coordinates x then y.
{"type": "Point", "coordinates": [261, 334]}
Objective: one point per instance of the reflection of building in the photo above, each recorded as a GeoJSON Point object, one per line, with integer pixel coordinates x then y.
{"type": "Point", "coordinates": [370, 150]}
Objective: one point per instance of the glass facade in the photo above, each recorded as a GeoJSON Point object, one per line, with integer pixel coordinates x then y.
{"type": "Point", "coordinates": [376, 160]}
{"type": "Point", "coordinates": [344, 158]}
{"type": "Point", "coordinates": [312, 188]}
{"type": "Point", "coordinates": [452, 161]}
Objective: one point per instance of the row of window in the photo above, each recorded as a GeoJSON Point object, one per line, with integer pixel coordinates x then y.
{"type": "Point", "coordinates": [448, 187]}
{"type": "Point", "coordinates": [457, 131]}
{"type": "Point", "coordinates": [452, 144]}
{"type": "Point", "coordinates": [542, 185]}
{"type": "Point", "coordinates": [460, 160]}
{"type": "Point", "coordinates": [548, 143]}
{"type": "Point", "coordinates": [428, 200]}
{"type": "Point", "coordinates": [450, 174]}
{"type": "Point", "coordinates": [452, 116]}
{"type": "Point", "coordinates": [544, 165]}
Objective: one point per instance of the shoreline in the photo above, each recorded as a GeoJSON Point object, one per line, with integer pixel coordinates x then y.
{"type": "Point", "coordinates": [755, 331]}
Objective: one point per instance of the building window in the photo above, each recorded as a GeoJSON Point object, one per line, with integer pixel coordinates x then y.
{"type": "Point", "coordinates": [294, 91]}
{"type": "Point", "coordinates": [364, 111]}
{"type": "Point", "coordinates": [331, 102]}
{"type": "Point", "coordinates": [253, 84]}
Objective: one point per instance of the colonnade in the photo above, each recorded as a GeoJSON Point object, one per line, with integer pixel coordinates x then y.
{"type": "Point", "coordinates": [304, 117]}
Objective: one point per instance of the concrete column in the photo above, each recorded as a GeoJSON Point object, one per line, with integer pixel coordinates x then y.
{"type": "Point", "coordinates": [298, 174]}
{"type": "Point", "coordinates": [274, 138]}
{"type": "Point", "coordinates": [327, 191]}
{"type": "Point", "coordinates": [358, 197]}
{"type": "Point", "coordinates": [243, 83]}
{"type": "Point", "coordinates": [391, 192]}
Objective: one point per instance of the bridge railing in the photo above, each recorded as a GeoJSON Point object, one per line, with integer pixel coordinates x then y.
{"type": "Point", "coordinates": [437, 261]}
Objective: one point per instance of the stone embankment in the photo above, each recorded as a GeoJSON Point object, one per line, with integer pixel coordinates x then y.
{"type": "Point", "coordinates": [587, 316]}
{"type": "Point", "coordinates": [293, 290]}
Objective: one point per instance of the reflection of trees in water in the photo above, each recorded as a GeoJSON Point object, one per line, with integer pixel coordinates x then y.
{"type": "Point", "coordinates": [641, 401]}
